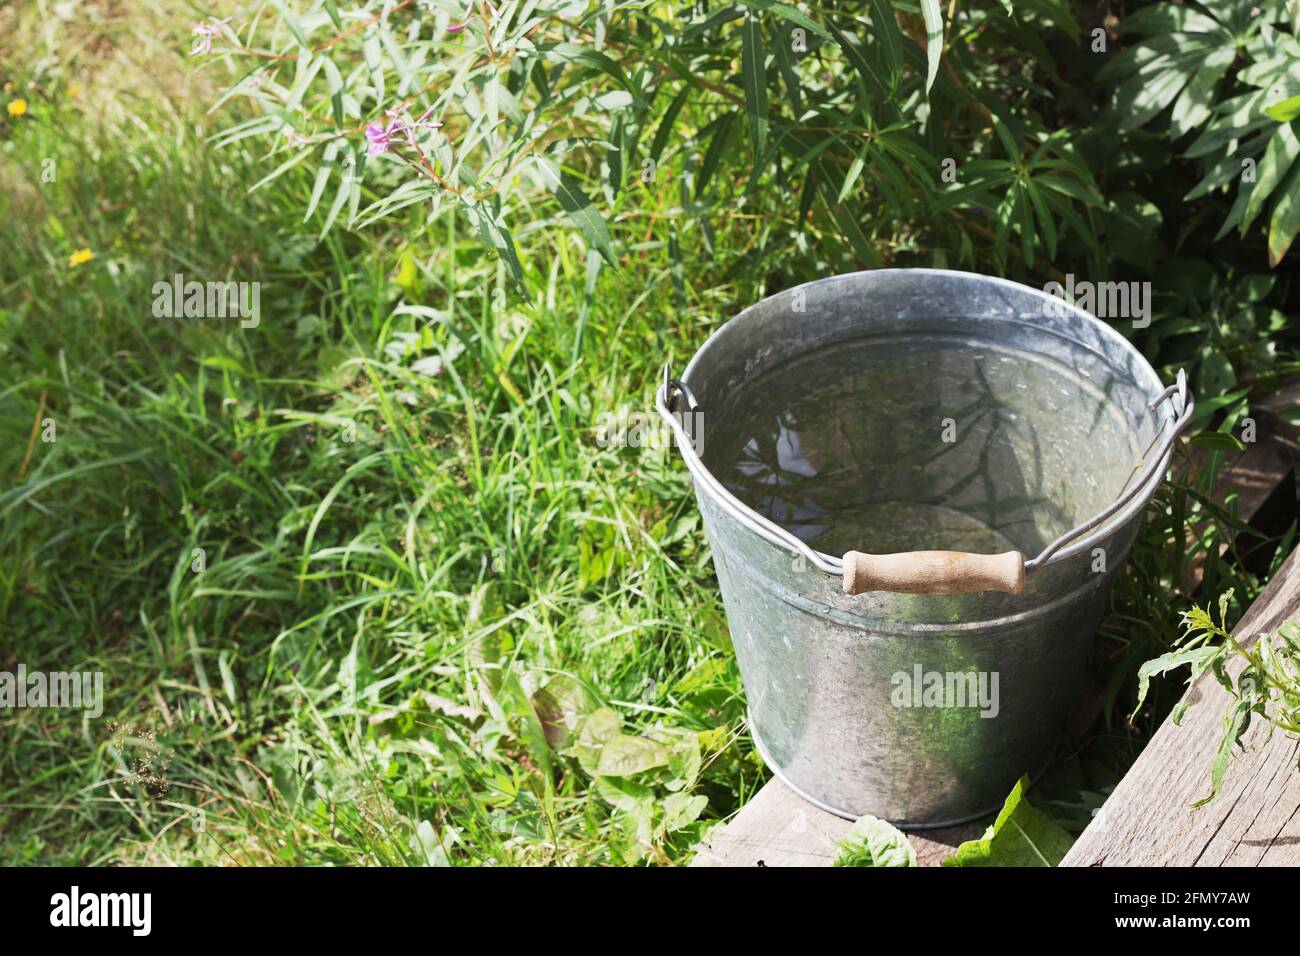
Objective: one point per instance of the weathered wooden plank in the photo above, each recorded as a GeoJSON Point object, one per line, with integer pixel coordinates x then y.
{"type": "Point", "coordinates": [1148, 820]}
{"type": "Point", "coordinates": [775, 828]}
{"type": "Point", "coordinates": [780, 828]}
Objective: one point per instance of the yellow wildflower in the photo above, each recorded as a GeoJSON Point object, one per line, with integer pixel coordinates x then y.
{"type": "Point", "coordinates": [17, 107]}
{"type": "Point", "coordinates": [73, 91]}
{"type": "Point", "coordinates": [79, 257]}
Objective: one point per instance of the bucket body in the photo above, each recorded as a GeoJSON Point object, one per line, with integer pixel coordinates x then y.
{"type": "Point", "coordinates": [924, 709]}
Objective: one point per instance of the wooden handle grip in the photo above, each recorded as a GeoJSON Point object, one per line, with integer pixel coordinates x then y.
{"type": "Point", "coordinates": [934, 572]}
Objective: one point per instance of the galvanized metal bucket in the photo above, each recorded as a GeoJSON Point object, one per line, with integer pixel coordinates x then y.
{"type": "Point", "coordinates": [822, 640]}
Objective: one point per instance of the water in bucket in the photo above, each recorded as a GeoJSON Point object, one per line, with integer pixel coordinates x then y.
{"type": "Point", "coordinates": [898, 443]}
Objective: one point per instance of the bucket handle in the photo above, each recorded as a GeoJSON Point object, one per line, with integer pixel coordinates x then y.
{"type": "Point", "coordinates": [919, 572]}
{"type": "Point", "coordinates": [934, 572]}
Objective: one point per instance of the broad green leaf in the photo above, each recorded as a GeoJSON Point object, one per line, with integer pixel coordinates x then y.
{"type": "Point", "coordinates": [1285, 111]}
{"type": "Point", "coordinates": [1234, 120]}
{"type": "Point", "coordinates": [684, 761]}
{"type": "Point", "coordinates": [1021, 836]}
{"type": "Point", "coordinates": [1279, 159]}
{"type": "Point", "coordinates": [1164, 18]}
{"type": "Point", "coordinates": [1285, 221]}
{"type": "Point", "coordinates": [1141, 98]}
{"type": "Point", "coordinates": [1196, 102]}
{"type": "Point", "coordinates": [561, 706]}
{"type": "Point", "coordinates": [625, 756]}
{"type": "Point", "coordinates": [626, 795]}
{"type": "Point", "coordinates": [682, 809]}
{"type": "Point", "coordinates": [1289, 631]}
{"type": "Point", "coordinates": [873, 842]}
{"type": "Point", "coordinates": [595, 730]}
{"type": "Point", "coordinates": [1216, 373]}
{"type": "Point", "coordinates": [634, 805]}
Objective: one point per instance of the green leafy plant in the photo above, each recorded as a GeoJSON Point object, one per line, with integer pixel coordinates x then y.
{"type": "Point", "coordinates": [1020, 836]}
{"type": "Point", "coordinates": [1028, 195]}
{"type": "Point", "coordinates": [1230, 72]}
{"type": "Point", "coordinates": [1265, 685]}
{"type": "Point", "coordinates": [598, 105]}
{"type": "Point", "coordinates": [648, 779]}
{"type": "Point", "coordinates": [874, 842]}
{"type": "Point", "coordinates": [1228, 339]}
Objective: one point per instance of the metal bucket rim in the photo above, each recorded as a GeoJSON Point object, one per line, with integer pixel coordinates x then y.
{"type": "Point", "coordinates": [1140, 497]}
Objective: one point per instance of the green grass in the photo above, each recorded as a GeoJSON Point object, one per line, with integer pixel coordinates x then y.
{"type": "Point", "coordinates": [411, 581]}
{"type": "Point", "coordinates": [394, 562]}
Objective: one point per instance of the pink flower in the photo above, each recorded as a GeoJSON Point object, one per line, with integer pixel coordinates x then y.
{"type": "Point", "coordinates": [381, 137]}
{"type": "Point", "coordinates": [204, 33]}
{"type": "Point", "coordinates": [456, 29]}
